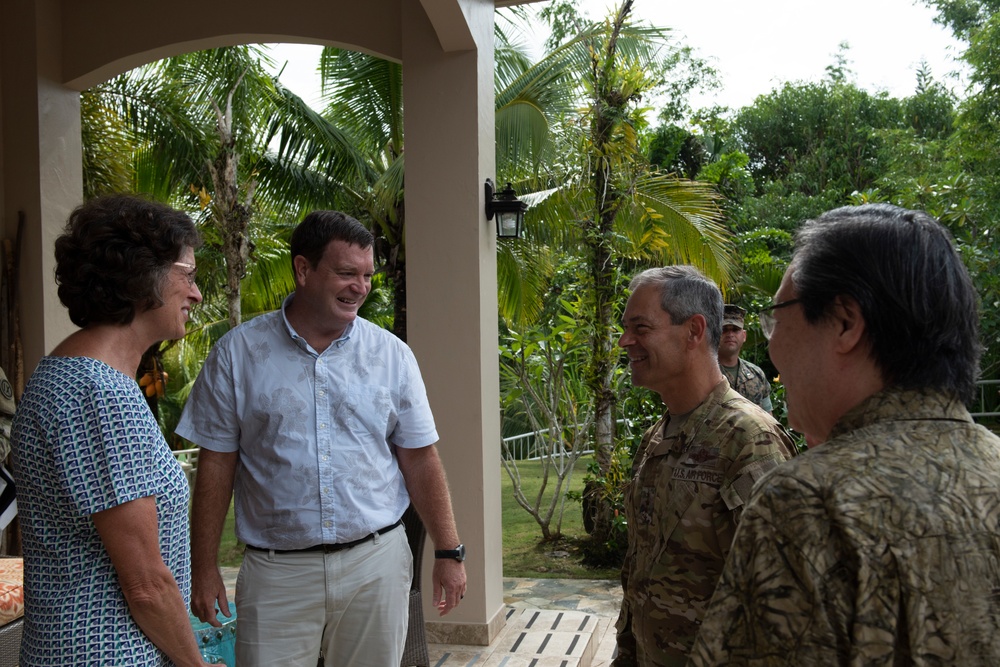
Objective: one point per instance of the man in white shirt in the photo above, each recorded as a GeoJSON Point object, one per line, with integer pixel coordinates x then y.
{"type": "Point", "coordinates": [319, 421]}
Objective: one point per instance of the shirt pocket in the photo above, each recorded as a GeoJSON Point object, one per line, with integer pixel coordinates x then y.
{"type": "Point", "coordinates": [369, 411]}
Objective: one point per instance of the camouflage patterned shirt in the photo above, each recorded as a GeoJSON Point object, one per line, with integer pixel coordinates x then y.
{"type": "Point", "coordinates": [682, 506]}
{"type": "Point", "coordinates": [749, 380]}
{"type": "Point", "coordinates": [879, 547]}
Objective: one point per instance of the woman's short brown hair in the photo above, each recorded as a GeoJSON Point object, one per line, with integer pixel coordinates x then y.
{"type": "Point", "coordinates": [113, 255]}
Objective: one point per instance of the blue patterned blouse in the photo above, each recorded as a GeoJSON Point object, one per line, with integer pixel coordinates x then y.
{"type": "Point", "coordinates": [84, 440]}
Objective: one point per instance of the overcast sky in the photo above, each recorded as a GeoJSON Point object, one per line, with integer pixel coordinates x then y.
{"type": "Point", "coordinates": [756, 45]}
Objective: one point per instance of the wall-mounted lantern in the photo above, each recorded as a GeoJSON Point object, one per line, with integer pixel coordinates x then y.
{"type": "Point", "coordinates": [508, 209]}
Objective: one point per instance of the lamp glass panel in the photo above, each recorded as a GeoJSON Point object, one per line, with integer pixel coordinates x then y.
{"type": "Point", "coordinates": [508, 224]}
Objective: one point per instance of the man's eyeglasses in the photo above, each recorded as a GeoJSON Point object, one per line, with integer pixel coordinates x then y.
{"type": "Point", "coordinates": [192, 272]}
{"type": "Point", "coordinates": [766, 316]}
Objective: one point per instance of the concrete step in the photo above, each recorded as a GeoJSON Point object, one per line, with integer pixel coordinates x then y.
{"type": "Point", "coordinates": [531, 638]}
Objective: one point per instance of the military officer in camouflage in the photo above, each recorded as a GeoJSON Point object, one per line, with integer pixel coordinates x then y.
{"type": "Point", "coordinates": [745, 377]}
{"type": "Point", "coordinates": [881, 544]}
{"type": "Point", "coordinates": [693, 470]}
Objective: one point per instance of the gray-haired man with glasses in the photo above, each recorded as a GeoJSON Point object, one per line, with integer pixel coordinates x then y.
{"type": "Point", "coordinates": [881, 545]}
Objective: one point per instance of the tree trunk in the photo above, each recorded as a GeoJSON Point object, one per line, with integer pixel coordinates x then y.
{"type": "Point", "coordinates": [232, 216]}
{"type": "Point", "coordinates": [399, 300]}
{"type": "Point", "coordinates": [608, 104]}
{"type": "Point", "coordinates": [395, 263]}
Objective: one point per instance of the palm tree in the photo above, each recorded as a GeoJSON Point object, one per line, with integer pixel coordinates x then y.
{"type": "Point", "coordinates": [365, 99]}
{"type": "Point", "coordinates": [608, 199]}
{"type": "Point", "coordinates": [189, 130]}
{"type": "Point", "coordinates": [603, 196]}
{"type": "Point", "coordinates": [195, 131]}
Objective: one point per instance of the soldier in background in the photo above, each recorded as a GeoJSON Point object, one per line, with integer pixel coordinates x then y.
{"type": "Point", "coordinates": [746, 378]}
{"type": "Point", "coordinates": [693, 470]}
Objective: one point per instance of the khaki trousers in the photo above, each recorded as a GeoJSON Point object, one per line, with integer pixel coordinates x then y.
{"type": "Point", "coordinates": [352, 605]}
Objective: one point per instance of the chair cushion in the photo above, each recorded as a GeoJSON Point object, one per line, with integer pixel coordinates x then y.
{"type": "Point", "coordinates": [11, 589]}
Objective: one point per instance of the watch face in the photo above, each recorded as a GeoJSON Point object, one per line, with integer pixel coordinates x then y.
{"type": "Point", "coordinates": [458, 553]}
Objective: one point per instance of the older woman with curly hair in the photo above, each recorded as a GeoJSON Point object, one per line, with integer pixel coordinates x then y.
{"type": "Point", "coordinates": [103, 503]}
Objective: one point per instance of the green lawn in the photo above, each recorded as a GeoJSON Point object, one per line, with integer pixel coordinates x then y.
{"type": "Point", "coordinates": [230, 551]}
{"type": "Point", "coordinates": [524, 555]}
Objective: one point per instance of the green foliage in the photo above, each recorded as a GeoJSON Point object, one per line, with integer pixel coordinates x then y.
{"type": "Point", "coordinates": [730, 174]}
{"type": "Point", "coordinates": [964, 17]}
{"type": "Point", "coordinates": [638, 409]}
{"type": "Point", "coordinates": [816, 137]}
{"type": "Point", "coordinates": [983, 260]}
{"type": "Point", "coordinates": [779, 207]}
{"type": "Point", "coordinates": [541, 381]}
{"type": "Point", "coordinates": [564, 21]}
{"type": "Point", "coordinates": [931, 110]}
{"type": "Point", "coordinates": [606, 486]}
{"type": "Point", "coordinates": [107, 147]}
{"type": "Point", "coordinates": [677, 150]}
{"type": "Point", "coordinates": [762, 249]}
{"type": "Point", "coordinates": [954, 176]}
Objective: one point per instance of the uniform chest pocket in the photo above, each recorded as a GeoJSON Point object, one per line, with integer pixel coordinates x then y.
{"type": "Point", "coordinates": [658, 496]}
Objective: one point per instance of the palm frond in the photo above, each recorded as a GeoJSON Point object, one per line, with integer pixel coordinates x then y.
{"type": "Point", "coordinates": [304, 136]}
{"type": "Point", "coordinates": [523, 273]}
{"type": "Point", "coordinates": [364, 95]}
{"type": "Point", "coordinates": [681, 222]}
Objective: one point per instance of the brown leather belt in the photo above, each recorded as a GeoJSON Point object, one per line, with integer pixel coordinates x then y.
{"type": "Point", "coordinates": [331, 548]}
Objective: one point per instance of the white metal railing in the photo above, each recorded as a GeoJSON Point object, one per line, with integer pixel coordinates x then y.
{"type": "Point", "coordinates": [521, 447]}
{"type": "Point", "coordinates": [526, 447]}
{"type": "Point", "coordinates": [982, 385]}
{"type": "Point", "coordinates": [188, 458]}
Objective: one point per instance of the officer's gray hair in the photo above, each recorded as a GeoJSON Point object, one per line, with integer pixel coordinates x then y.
{"type": "Point", "coordinates": [684, 292]}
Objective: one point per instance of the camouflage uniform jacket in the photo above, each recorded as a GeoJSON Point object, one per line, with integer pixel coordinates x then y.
{"type": "Point", "coordinates": [879, 547]}
{"type": "Point", "coordinates": [749, 380]}
{"type": "Point", "coordinates": [682, 506]}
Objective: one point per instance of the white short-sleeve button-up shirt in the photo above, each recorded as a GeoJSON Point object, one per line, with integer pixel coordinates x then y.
{"type": "Point", "coordinates": [315, 431]}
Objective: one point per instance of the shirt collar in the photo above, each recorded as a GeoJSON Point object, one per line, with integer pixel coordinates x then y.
{"type": "Point", "coordinates": [895, 404]}
{"type": "Point", "coordinates": [344, 337]}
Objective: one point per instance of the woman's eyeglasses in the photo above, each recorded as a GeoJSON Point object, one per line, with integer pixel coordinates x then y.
{"type": "Point", "coordinates": [192, 272]}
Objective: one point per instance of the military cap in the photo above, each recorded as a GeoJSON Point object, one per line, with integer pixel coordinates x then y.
{"type": "Point", "coordinates": [733, 315]}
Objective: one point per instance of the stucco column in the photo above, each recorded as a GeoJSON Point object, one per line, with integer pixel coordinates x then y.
{"type": "Point", "coordinates": [42, 172]}
{"type": "Point", "coordinates": [452, 294]}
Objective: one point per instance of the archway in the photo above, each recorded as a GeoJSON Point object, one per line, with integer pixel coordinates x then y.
{"type": "Point", "coordinates": [50, 50]}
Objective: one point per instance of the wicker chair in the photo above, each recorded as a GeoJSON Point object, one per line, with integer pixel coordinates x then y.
{"type": "Point", "coordinates": [10, 643]}
{"type": "Point", "coordinates": [415, 648]}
